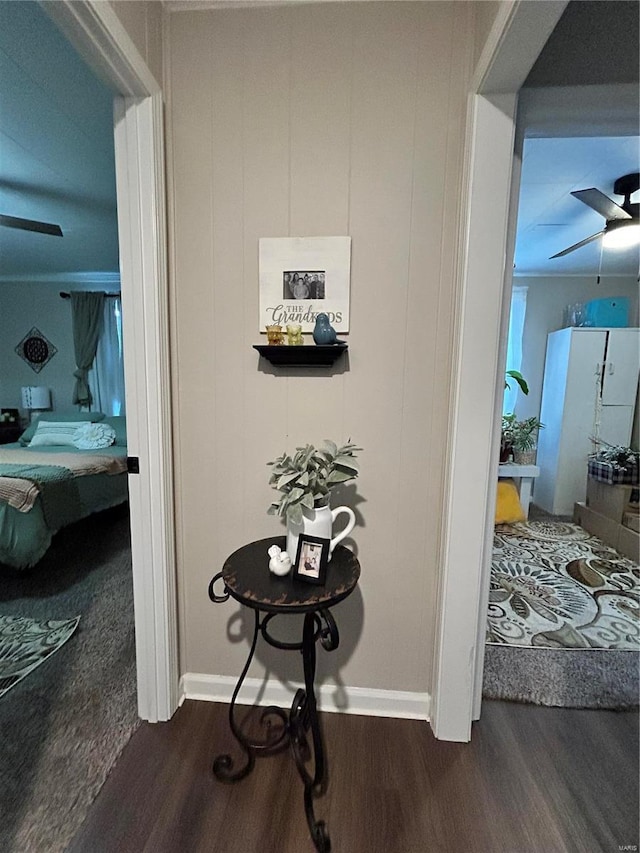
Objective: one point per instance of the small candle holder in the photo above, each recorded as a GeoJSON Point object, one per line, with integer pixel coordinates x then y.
{"type": "Point", "coordinates": [275, 337]}
{"type": "Point", "coordinates": [294, 335]}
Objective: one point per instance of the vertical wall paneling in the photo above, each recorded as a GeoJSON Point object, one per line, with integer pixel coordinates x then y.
{"type": "Point", "coordinates": [266, 151]}
{"type": "Point", "coordinates": [420, 439]}
{"type": "Point", "coordinates": [142, 20]}
{"type": "Point", "coordinates": [320, 128]}
{"type": "Point", "coordinates": [194, 397]}
{"type": "Point", "coordinates": [226, 123]}
{"type": "Point", "coordinates": [320, 119]}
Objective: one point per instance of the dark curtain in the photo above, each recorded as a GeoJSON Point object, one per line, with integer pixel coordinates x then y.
{"type": "Point", "coordinates": [86, 313]}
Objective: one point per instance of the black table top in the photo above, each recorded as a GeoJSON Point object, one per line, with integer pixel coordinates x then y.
{"type": "Point", "coordinates": [247, 578]}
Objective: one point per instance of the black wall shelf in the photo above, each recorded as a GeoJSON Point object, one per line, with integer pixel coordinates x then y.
{"type": "Point", "coordinates": [304, 356]}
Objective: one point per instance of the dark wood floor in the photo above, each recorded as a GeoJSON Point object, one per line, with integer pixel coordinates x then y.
{"type": "Point", "coordinates": [532, 779]}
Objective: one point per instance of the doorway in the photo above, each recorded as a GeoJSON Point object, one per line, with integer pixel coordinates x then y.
{"type": "Point", "coordinates": [99, 36]}
{"type": "Point", "coordinates": [518, 35]}
{"type": "Point", "coordinates": [566, 145]}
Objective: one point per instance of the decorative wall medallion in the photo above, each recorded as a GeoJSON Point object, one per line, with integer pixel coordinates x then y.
{"type": "Point", "coordinates": [36, 350]}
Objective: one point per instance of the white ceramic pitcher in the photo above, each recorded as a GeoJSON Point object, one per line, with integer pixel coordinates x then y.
{"type": "Point", "coordinates": [318, 522]}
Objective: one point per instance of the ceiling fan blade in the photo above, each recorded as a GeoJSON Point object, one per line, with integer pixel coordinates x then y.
{"type": "Point", "coordinates": [577, 245]}
{"type": "Point", "coordinates": [30, 225]}
{"type": "Point", "coordinates": [601, 203]}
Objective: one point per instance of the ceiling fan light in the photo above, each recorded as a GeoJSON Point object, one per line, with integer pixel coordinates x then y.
{"type": "Point", "coordinates": [621, 234]}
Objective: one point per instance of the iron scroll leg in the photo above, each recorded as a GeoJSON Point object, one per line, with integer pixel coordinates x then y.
{"type": "Point", "coordinates": [223, 764]}
{"type": "Point", "coordinates": [275, 738]}
{"type": "Point", "coordinates": [304, 716]}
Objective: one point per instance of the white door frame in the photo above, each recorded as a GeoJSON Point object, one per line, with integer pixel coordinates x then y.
{"type": "Point", "coordinates": [518, 35]}
{"type": "Point", "coordinates": [96, 32]}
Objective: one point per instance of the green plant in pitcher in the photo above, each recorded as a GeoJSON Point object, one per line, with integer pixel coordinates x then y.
{"type": "Point", "coordinates": [307, 478]}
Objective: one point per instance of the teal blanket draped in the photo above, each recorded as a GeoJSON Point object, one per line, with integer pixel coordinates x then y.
{"type": "Point", "coordinates": [58, 490]}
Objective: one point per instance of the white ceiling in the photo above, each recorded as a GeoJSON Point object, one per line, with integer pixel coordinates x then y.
{"type": "Point", "coordinates": [581, 102]}
{"type": "Point", "coordinates": [57, 165]}
{"type": "Point", "coordinates": [56, 151]}
{"type": "Point", "coordinates": [550, 219]}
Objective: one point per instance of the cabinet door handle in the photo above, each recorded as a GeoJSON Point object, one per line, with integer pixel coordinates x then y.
{"type": "Point", "coordinates": [611, 368]}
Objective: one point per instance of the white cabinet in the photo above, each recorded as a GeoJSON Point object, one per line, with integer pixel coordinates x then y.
{"type": "Point", "coordinates": [590, 386]}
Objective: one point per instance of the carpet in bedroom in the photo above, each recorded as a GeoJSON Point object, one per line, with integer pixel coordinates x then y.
{"type": "Point", "coordinates": [63, 727]}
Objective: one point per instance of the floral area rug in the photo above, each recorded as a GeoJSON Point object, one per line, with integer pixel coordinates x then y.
{"type": "Point", "coordinates": [26, 643]}
{"type": "Point", "coordinates": [555, 586]}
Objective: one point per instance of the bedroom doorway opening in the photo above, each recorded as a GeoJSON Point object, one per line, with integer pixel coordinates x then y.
{"type": "Point", "coordinates": [68, 681]}
{"type": "Point", "coordinates": [97, 33]}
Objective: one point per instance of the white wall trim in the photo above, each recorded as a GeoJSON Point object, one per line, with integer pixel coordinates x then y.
{"type": "Point", "coordinates": [350, 700]}
{"type": "Point", "coordinates": [471, 489]}
{"type": "Point", "coordinates": [98, 35]}
{"type": "Point", "coordinates": [565, 111]}
{"type": "Point", "coordinates": [517, 37]}
{"type": "Point", "coordinates": [100, 38]}
{"type": "Point", "coordinates": [141, 219]}
{"type": "Point", "coordinates": [519, 32]}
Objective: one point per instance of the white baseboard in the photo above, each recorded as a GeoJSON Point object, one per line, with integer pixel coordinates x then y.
{"type": "Point", "coordinates": [331, 697]}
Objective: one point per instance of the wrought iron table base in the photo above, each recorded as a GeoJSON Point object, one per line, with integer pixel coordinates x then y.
{"type": "Point", "coordinates": [294, 724]}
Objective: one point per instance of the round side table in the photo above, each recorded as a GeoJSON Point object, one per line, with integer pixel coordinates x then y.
{"type": "Point", "coordinates": [247, 579]}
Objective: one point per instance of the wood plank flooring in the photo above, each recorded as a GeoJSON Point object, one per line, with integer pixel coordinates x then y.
{"type": "Point", "coordinates": [533, 780]}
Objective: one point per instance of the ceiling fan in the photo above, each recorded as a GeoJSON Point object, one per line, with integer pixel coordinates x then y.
{"type": "Point", "coordinates": [30, 225]}
{"type": "Point", "coordinates": [622, 226]}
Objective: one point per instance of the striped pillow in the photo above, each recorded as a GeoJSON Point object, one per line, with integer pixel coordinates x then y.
{"type": "Point", "coordinates": [52, 433]}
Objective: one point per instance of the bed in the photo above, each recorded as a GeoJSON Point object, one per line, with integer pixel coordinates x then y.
{"type": "Point", "coordinates": [45, 488]}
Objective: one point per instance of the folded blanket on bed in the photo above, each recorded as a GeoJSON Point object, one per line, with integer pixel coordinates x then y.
{"type": "Point", "coordinates": [57, 487]}
{"type": "Point", "coordinates": [23, 471]}
{"type": "Point", "coordinates": [20, 494]}
{"type": "Point", "coordinates": [79, 463]}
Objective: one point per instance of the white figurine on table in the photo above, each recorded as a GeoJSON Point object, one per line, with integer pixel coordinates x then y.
{"type": "Point", "coordinates": [280, 562]}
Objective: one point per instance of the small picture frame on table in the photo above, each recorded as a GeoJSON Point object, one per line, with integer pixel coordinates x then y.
{"type": "Point", "coordinates": [311, 559]}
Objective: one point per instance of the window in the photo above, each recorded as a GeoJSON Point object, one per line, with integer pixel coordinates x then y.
{"type": "Point", "coordinates": [106, 377]}
{"type": "Point", "coordinates": [514, 345]}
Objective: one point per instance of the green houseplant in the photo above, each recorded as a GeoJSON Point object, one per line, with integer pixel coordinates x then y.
{"type": "Point", "coordinates": [518, 378]}
{"type": "Point", "coordinates": [522, 437]}
{"type": "Point", "coordinates": [305, 480]}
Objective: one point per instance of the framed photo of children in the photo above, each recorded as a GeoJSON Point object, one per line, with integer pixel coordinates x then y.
{"type": "Point", "coordinates": [312, 559]}
{"type": "Point", "coordinates": [301, 277]}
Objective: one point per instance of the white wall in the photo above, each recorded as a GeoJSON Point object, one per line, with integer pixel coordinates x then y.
{"type": "Point", "coordinates": [316, 120]}
{"type": "Point", "coordinates": [22, 306]}
{"type": "Point", "coordinates": [546, 300]}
